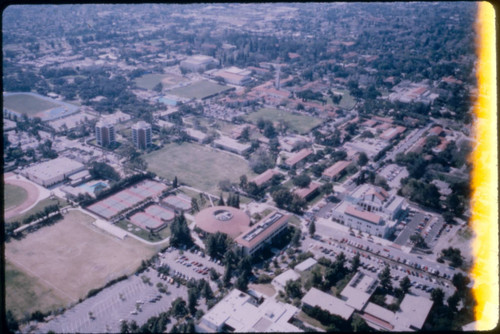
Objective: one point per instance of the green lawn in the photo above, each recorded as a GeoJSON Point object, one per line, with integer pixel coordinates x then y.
{"type": "Point", "coordinates": [294, 220]}
{"type": "Point", "coordinates": [198, 166]}
{"type": "Point", "coordinates": [38, 207]}
{"type": "Point", "coordinates": [13, 196]}
{"type": "Point", "coordinates": [25, 294]}
{"type": "Point", "coordinates": [199, 90]}
{"type": "Point", "coordinates": [148, 81]}
{"type": "Point", "coordinates": [347, 101]}
{"type": "Point", "coordinates": [27, 104]}
{"type": "Point", "coordinates": [298, 123]}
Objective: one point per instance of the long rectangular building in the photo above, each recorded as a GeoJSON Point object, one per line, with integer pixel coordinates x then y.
{"type": "Point", "coordinates": [263, 232]}
{"type": "Point", "coordinates": [53, 171]}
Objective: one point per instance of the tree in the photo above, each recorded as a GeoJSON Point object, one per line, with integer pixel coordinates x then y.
{"type": "Point", "coordinates": [124, 328]}
{"type": "Point", "coordinates": [242, 282]}
{"type": "Point", "coordinates": [158, 88]}
{"type": "Point", "coordinates": [296, 237]}
{"type": "Point", "coordinates": [226, 279]}
{"type": "Point", "coordinates": [221, 200]}
{"type": "Point", "coordinates": [460, 282]}
{"type": "Point", "coordinates": [11, 321]}
{"type": "Point", "coordinates": [178, 308]}
{"type": "Point", "coordinates": [180, 234]}
{"type": "Point", "coordinates": [362, 159]}
{"type": "Point", "coordinates": [418, 240]}
{"type": "Point", "coordinates": [405, 285]}
{"type": "Point", "coordinates": [358, 324]}
{"type": "Point", "coordinates": [174, 183]}
{"type": "Point", "coordinates": [302, 181]}
{"type": "Point", "coordinates": [437, 296]}
{"type": "Point", "coordinates": [192, 300]}
{"type": "Point", "coordinates": [101, 170]}
{"type": "Point", "coordinates": [312, 228]}
{"type": "Point", "coordinates": [217, 244]}
{"type": "Point", "coordinates": [194, 205]}
{"type": "Point", "coordinates": [385, 279]}
{"type": "Point", "coordinates": [355, 263]}
{"type": "Point", "coordinates": [453, 302]}
{"type": "Point", "coordinates": [293, 289]}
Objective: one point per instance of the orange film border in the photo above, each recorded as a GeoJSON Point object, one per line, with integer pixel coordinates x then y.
{"type": "Point", "coordinates": [484, 181]}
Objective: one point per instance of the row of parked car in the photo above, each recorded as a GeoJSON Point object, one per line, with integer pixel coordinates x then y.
{"type": "Point", "coordinates": [196, 266]}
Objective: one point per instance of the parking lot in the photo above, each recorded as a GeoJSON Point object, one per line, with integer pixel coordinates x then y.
{"type": "Point", "coordinates": [422, 282]}
{"type": "Point", "coordinates": [189, 265]}
{"type": "Point", "coordinates": [128, 300]}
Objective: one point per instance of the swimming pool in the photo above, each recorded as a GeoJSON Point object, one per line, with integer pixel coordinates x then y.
{"type": "Point", "coordinates": [91, 187]}
{"type": "Point", "coordinates": [165, 100]}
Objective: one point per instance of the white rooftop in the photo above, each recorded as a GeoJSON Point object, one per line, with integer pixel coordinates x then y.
{"type": "Point", "coordinates": [280, 280]}
{"type": "Point", "coordinates": [240, 311]}
{"type": "Point", "coordinates": [327, 302]}
{"type": "Point", "coordinates": [359, 290]}
{"type": "Point", "coordinates": [53, 168]}
{"type": "Point", "coordinates": [414, 311]}
{"type": "Point", "coordinates": [305, 265]}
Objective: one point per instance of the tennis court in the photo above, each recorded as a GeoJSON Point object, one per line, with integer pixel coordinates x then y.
{"type": "Point", "coordinates": [126, 198]}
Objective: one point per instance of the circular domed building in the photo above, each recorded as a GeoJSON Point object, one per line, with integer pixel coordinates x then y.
{"type": "Point", "coordinates": [224, 219]}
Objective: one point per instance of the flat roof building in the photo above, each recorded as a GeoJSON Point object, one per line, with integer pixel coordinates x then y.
{"type": "Point", "coordinates": [239, 312]}
{"type": "Point", "coordinates": [141, 134]}
{"type": "Point", "coordinates": [105, 133]}
{"type": "Point", "coordinates": [53, 171]}
{"type": "Point", "coordinates": [263, 232]}
{"type": "Point", "coordinates": [231, 145]}
{"type": "Point", "coordinates": [309, 192]}
{"type": "Point", "coordinates": [198, 62]}
{"type": "Point", "coordinates": [280, 281]}
{"type": "Point", "coordinates": [359, 290]}
{"type": "Point", "coordinates": [327, 302]}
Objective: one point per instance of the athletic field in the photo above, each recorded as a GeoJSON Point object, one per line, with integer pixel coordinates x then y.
{"type": "Point", "coordinates": [149, 81]}
{"type": "Point", "coordinates": [62, 262]}
{"type": "Point", "coordinates": [27, 104]}
{"type": "Point", "coordinates": [199, 90]}
{"type": "Point", "coordinates": [13, 196]}
{"type": "Point", "coordinates": [297, 123]}
{"type": "Point", "coordinates": [198, 166]}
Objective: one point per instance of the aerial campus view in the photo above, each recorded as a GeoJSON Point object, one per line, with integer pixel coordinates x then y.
{"type": "Point", "coordinates": [270, 167]}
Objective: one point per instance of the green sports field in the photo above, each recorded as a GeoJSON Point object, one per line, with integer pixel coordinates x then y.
{"type": "Point", "coordinates": [298, 123]}
{"type": "Point", "coordinates": [13, 196]}
{"type": "Point", "coordinates": [198, 166]}
{"type": "Point", "coordinates": [199, 90]}
{"type": "Point", "coordinates": [27, 104]}
{"type": "Point", "coordinates": [149, 81]}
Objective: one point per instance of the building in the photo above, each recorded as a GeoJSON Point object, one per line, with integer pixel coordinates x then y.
{"type": "Point", "coordinates": [309, 192]}
{"type": "Point", "coordinates": [369, 209]}
{"type": "Point", "coordinates": [359, 290]}
{"type": "Point", "coordinates": [234, 76]}
{"type": "Point", "coordinates": [53, 171]}
{"type": "Point", "coordinates": [336, 171]}
{"type": "Point", "coordinates": [224, 219]}
{"type": "Point", "coordinates": [298, 158]}
{"type": "Point", "coordinates": [305, 265]}
{"type": "Point", "coordinates": [240, 312]}
{"type": "Point", "coordinates": [411, 316]}
{"type": "Point", "coordinates": [392, 132]}
{"type": "Point", "coordinates": [262, 233]}
{"type": "Point", "coordinates": [327, 302]}
{"type": "Point", "coordinates": [141, 134]}
{"type": "Point", "coordinates": [198, 63]}
{"type": "Point", "coordinates": [279, 281]}
{"type": "Point", "coordinates": [105, 133]}
{"type": "Point", "coordinates": [264, 178]}
{"type": "Point", "coordinates": [231, 145]}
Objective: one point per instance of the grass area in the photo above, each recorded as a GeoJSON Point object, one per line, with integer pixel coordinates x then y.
{"type": "Point", "coordinates": [148, 81]}
{"type": "Point", "coordinates": [196, 165]}
{"type": "Point", "coordinates": [27, 103]}
{"type": "Point", "coordinates": [143, 234]}
{"type": "Point", "coordinates": [311, 321]}
{"type": "Point", "coordinates": [38, 207]}
{"type": "Point", "coordinates": [24, 294]}
{"type": "Point", "coordinates": [298, 123]}
{"type": "Point", "coordinates": [13, 196]}
{"type": "Point", "coordinates": [67, 260]}
{"type": "Point", "coordinates": [347, 101]}
{"type": "Point", "coordinates": [294, 220]}
{"type": "Point", "coordinates": [199, 90]}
